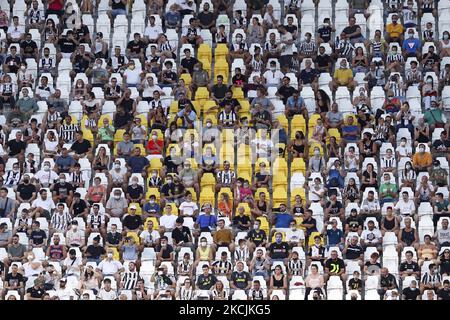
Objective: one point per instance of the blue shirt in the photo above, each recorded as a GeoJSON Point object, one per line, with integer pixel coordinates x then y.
{"type": "Point", "coordinates": [349, 129]}
{"type": "Point", "coordinates": [291, 102]}
{"type": "Point", "coordinates": [334, 236]}
{"type": "Point", "coordinates": [152, 208]}
{"type": "Point", "coordinates": [282, 220]}
{"type": "Point", "coordinates": [411, 45]}
{"type": "Point", "coordinates": [64, 163]}
{"type": "Point", "coordinates": [137, 164]}
{"type": "Point", "coordinates": [205, 221]}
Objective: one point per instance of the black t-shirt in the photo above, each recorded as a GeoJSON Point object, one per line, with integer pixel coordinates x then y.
{"type": "Point", "coordinates": [444, 294]}
{"type": "Point", "coordinates": [80, 33]}
{"type": "Point", "coordinates": [388, 281]}
{"type": "Point", "coordinates": [122, 120]}
{"type": "Point", "coordinates": [67, 45]}
{"type": "Point", "coordinates": [432, 59]}
{"type": "Point", "coordinates": [441, 145]}
{"type": "Point", "coordinates": [132, 222]}
{"type": "Point", "coordinates": [28, 47]}
{"type": "Point", "coordinates": [136, 47]}
{"type": "Point", "coordinates": [353, 252]}
{"type": "Point", "coordinates": [307, 76]}
{"type": "Point", "coordinates": [243, 219]}
{"type": "Point", "coordinates": [26, 190]}
{"type": "Point", "coordinates": [189, 64]}
{"type": "Point", "coordinates": [135, 193]}
{"type": "Point", "coordinates": [279, 251]}
{"type": "Point", "coordinates": [291, 29]}
{"type": "Point", "coordinates": [325, 33]}
{"type": "Point", "coordinates": [35, 293]}
{"type": "Point", "coordinates": [355, 284]}
{"type": "Point", "coordinates": [219, 91]}
{"type": "Point", "coordinates": [2, 267]}
{"type": "Point", "coordinates": [335, 266]}
{"type": "Point", "coordinates": [166, 252]}
{"type": "Point", "coordinates": [37, 237]}
{"type": "Point", "coordinates": [372, 267]}
{"type": "Point", "coordinates": [14, 280]}
{"type": "Point", "coordinates": [286, 92]}
{"type": "Point", "coordinates": [234, 103]}
{"type": "Point", "coordinates": [323, 60]}
{"type": "Point", "coordinates": [411, 294]}
{"type": "Point", "coordinates": [354, 221]}
{"type": "Point", "coordinates": [334, 208]}
{"type": "Point", "coordinates": [412, 267]}
{"type": "Point", "coordinates": [181, 235]}
{"type": "Point", "coordinates": [95, 252]}
{"type": "Point", "coordinates": [63, 189]}
{"type": "Point", "coordinates": [16, 147]}
{"type": "Point", "coordinates": [113, 238]}
{"type": "Point", "coordinates": [78, 208]}
{"type": "Point", "coordinates": [206, 282]}
{"type": "Point", "coordinates": [168, 75]}
{"type": "Point", "coordinates": [312, 221]}
{"type": "Point", "coordinates": [351, 29]}
{"type": "Point", "coordinates": [240, 279]}
{"type": "Point", "coordinates": [166, 188]}
{"type": "Point", "coordinates": [257, 236]}
{"type": "Point", "coordinates": [82, 147]}
{"type": "Point", "coordinates": [205, 18]}
{"type": "Point", "coordinates": [444, 266]}
{"type": "Point", "coordinates": [172, 164]}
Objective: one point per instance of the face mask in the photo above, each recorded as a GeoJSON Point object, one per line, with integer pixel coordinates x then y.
{"type": "Point", "coordinates": [117, 166]}
{"type": "Point", "coordinates": [74, 227]}
{"type": "Point", "coordinates": [154, 137]}
{"type": "Point", "coordinates": [186, 167]}
{"type": "Point", "coordinates": [421, 149]}
{"type": "Point", "coordinates": [22, 68]}
{"type": "Point", "coordinates": [342, 66]}
{"type": "Point", "coordinates": [110, 255]}
{"type": "Point", "coordinates": [445, 36]}
{"type": "Point", "coordinates": [326, 24]}
{"type": "Point", "coordinates": [79, 85]}
{"type": "Point", "coordinates": [255, 226]}
{"type": "Point", "coordinates": [278, 240]}
{"type": "Point", "coordinates": [116, 197]}
{"type": "Point", "coordinates": [151, 201]}
{"type": "Point", "coordinates": [429, 80]}
{"type": "Point", "coordinates": [30, 257]}
{"type": "Point", "coordinates": [408, 166]}
{"type": "Point", "coordinates": [154, 175]}
{"type": "Point", "coordinates": [46, 168]}
{"type": "Point", "coordinates": [410, 35]}
{"type": "Point", "coordinates": [169, 181]}
{"type": "Point", "coordinates": [160, 273]}
{"type": "Point", "coordinates": [62, 181]}
{"type": "Point", "coordinates": [403, 143]}
{"type": "Point", "coordinates": [316, 152]}
{"type": "Point", "coordinates": [273, 68]}
{"type": "Point", "coordinates": [203, 243]}
{"type": "Point", "coordinates": [238, 39]}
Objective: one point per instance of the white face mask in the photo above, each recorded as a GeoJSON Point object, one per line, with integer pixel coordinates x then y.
{"type": "Point", "coordinates": [273, 68]}
{"type": "Point", "coordinates": [410, 35]}
{"type": "Point", "coordinates": [134, 182]}
{"type": "Point", "coordinates": [151, 201]}
{"type": "Point", "coordinates": [110, 255]}
{"type": "Point", "coordinates": [445, 36]}
{"type": "Point", "coordinates": [74, 227]}
{"type": "Point", "coordinates": [154, 175]}
{"type": "Point", "coordinates": [255, 226]}
{"type": "Point", "coordinates": [208, 124]}
{"type": "Point", "coordinates": [429, 80]}
{"type": "Point", "coordinates": [421, 149]}
{"type": "Point", "coordinates": [316, 152]}
{"type": "Point", "coordinates": [62, 180]}
{"type": "Point", "coordinates": [117, 197]}
{"type": "Point", "coordinates": [403, 143]}
{"type": "Point", "coordinates": [203, 243]}
{"type": "Point", "coordinates": [30, 257]}
{"type": "Point", "coordinates": [160, 273]}
{"type": "Point", "coordinates": [154, 137]}
{"type": "Point", "coordinates": [238, 39]}
{"type": "Point", "coordinates": [117, 166]}
{"type": "Point", "coordinates": [46, 168]}
{"type": "Point", "coordinates": [408, 166]}
{"type": "Point", "coordinates": [23, 68]}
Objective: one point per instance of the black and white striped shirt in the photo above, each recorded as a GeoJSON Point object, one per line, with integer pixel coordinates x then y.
{"type": "Point", "coordinates": [227, 119]}
{"type": "Point", "coordinates": [225, 177]}
{"type": "Point", "coordinates": [256, 65]}
{"type": "Point", "coordinates": [186, 294]}
{"type": "Point", "coordinates": [295, 267]}
{"type": "Point", "coordinates": [67, 132]}
{"type": "Point", "coordinates": [47, 63]}
{"type": "Point", "coordinates": [61, 221]}
{"type": "Point", "coordinates": [387, 163]}
{"type": "Point", "coordinates": [395, 57]}
{"type": "Point", "coordinates": [53, 117]}
{"type": "Point", "coordinates": [96, 220]}
{"type": "Point", "coordinates": [345, 48]}
{"type": "Point", "coordinates": [395, 87]}
{"type": "Point", "coordinates": [223, 266]}
{"type": "Point", "coordinates": [257, 295]}
{"type": "Point", "coordinates": [76, 177]}
{"type": "Point", "coordinates": [271, 47]}
{"type": "Point", "coordinates": [307, 48]}
{"type": "Point", "coordinates": [165, 47]}
{"type": "Point", "coordinates": [130, 279]}
{"type": "Point", "coordinates": [241, 254]}
{"type": "Point", "coordinates": [431, 279]}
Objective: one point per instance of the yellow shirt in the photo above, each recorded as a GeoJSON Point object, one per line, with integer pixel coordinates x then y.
{"type": "Point", "coordinates": [422, 160]}
{"type": "Point", "coordinates": [343, 76]}
{"type": "Point", "coordinates": [394, 30]}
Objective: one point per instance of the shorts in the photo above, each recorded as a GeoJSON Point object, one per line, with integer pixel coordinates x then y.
{"type": "Point", "coordinates": [116, 12]}
{"type": "Point", "coordinates": [285, 61]}
{"type": "Point", "coordinates": [66, 55]}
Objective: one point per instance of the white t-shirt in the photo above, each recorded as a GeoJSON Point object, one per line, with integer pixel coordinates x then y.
{"type": "Point", "coordinates": [73, 266]}
{"type": "Point", "coordinates": [404, 151]}
{"type": "Point", "coordinates": [48, 204]}
{"type": "Point", "coordinates": [188, 208]}
{"type": "Point", "coordinates": [273, 78]}
{"type": "Point", "coordinates": [109, 267]}
{"type": "Point", "coordinates": [148, 90]}
{"type": "Point", "coordinates": [104, 295]}
{"type": "Point", "coordinates": [287, 49]}
{"type": "Point", "coordinates": [133, 76]}
{"type": "Point", "coordinates": [65, 294]}
{"type": "Point", "coordinates": [406, 208]}
{"type": "Point", "coordinates": [148, 237]}
{"type": "Point", "coordinates": [371, 236]}
{"type": "Point", "coordinates": [46, 176]}
{"type": "Point", "coordinates": [168, 221]}
{"type": "Point", "coordinates": [295, 236]}
{"type": "Point", "coordinates": [153, 32]}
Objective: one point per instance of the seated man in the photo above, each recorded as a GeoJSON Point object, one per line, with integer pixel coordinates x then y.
{"type": "Point", "coordinates": [343, 77]}
{"type": "Point", "coordinates": [334, 266]}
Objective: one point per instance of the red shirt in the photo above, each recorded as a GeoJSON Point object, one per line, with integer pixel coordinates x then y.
{"type": "Point", "coordinates": [151, 146]}
{"type": "Point", "coordinates": [56, 5]}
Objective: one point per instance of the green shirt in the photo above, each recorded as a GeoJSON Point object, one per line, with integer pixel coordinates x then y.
{"type": "Point", "coordinates": [106, 135]}
{"type": "Point", "coordinates": [433, 116]}
{"type": "Point", "coordinates": [442, 206]}
{"type": "Point", "coordinates": [27, 105]}
{"type": "Point", "coordinates": [388, 188]}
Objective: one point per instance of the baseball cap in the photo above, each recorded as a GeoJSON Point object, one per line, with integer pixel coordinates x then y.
{"type": "Point", "coordinates": [133, 207]}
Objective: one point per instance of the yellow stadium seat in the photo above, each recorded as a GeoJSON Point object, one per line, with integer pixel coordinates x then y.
{"type": "Point", "coordinates": [283, 238]}
{"type": "Point", "coordinates": [206, 63]}
{"type": "Point", "coordinates": [135, 236]}
{"type": "Point", "coordinates": [143, 118]}
{"type": "Point", "coordinates": [87, 134]}
{"type": "Point", "coordinates": [115, 252]}
{"type": "Point", "coordinates": [204, 52]}
{"type": "Point", "coordinates": [299, 221]}
{"type": "Point", "coordinates": [138, 208]}
{"type": "Point", "coordinates": [264, 225]}
{"type": "Point", "coordinates": [174, 107]}
{"type": "Point", "coordinates": [313, 146]}
{"type": "Point", "coordinates": [238, 93]}
{"type": "Point", "coordinates": [118, 136]}
{"type": "Point", "coordinates": [279, 196]}
{"type": "Point", "coordinates": [311, 238]}
{"type": "Point", "coordinates": [245, 206]}
{"type": "Point", "coordinates": [313, 121]}
{"type": "Point", "coordinates": [187, 78]}
{"type": "Point", "coordinates": [280, 165]}
{"type": "Point", "coordinates": [152, 191]}
{"type": "Point", "coordinates": [227, 136]}
{"type": "Point", "coordinates": [208, 180]}
{"type": "Point", "coordinates": [334, 132]}
{"type": "Point", "coordinates": [102, 117]}
{"type": "Point", "coordinates": [207, 195]}
{"type": "Point", "coordinates": [193, 193]}
{"type": "Point", "coordinates": [284, 122]}
{"type": "Point", "coordinates": [245, 105]}
{"type": "Point", "coordinates": [174, 208]}
{"type": "Point", "coordinates": [298, 165]}
{"type": "Point", "coordinates": [202, 93]}
{"type": "Point", "coordinates": [155, 163]}
{"type": "Point", "coordinates": [298, 191]}
{"type": "Point", "coordinates": [246, 175]}
{"type": "Point", "coordinates": [221, 51]}
{"type": "Point", "coordinates": [155, 223]}
{"type": "Point", "coordinates": [298, 123]}
{"type": "Point", "coordinates": [279, 179]}
{"type": "Point", "coordinates": [208, 104]}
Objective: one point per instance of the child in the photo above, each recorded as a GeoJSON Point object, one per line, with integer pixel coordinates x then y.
{"type": "Point", "coordinates": [295, 265]}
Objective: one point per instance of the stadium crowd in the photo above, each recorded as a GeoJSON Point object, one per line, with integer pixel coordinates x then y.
{"type": "Point", "coordinates": [244, 150]}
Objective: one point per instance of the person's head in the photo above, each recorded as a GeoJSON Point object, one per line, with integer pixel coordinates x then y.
{"type": "Point", "coordinates": [370, 195]}
{"type": "Point", "coordinates": [370, 225]}
{"type": "Point", "coordinates": [132, 210]}
{"type": "Point", "coordinates": [444, 224]}
{"type": "Point", "coordinates": [394, 18]}
{"type": "Point", "coordinates": [278, 237]}
{"type": "Point", "coordinates": [433, 268]}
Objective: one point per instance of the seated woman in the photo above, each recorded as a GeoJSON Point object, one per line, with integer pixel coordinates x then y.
{"type": "Point", "coordinates": [297, 145]}
{"type": "Point", "coordinates": [261, 178]}
{"type": "Point", "coordinates": [369, 178]}
{"type": "Point", "coordinates": [204, 253]}
{"type": "Point", "coordinates": [313, 281]}
{"type": "Point", "coordinates": [367, 147]}
{"type": "Point", "coordinates": [333, 148]}
{"type": "Point", "coordinates": [225, 206]}
{"type": "Point", "coordinates": [351, 192]}
{"type": "Point", "coordinates": [278, 281]}
{"type": "Point", "coordinates": [50, 144]}
{"type": "Point", "coordinates": [422, 133]}
{"type": "Point", "coordinates": [158, 119]}
{"type": "Point", "coordinates": [359, 62]}
{"type": "Point", "coordinates": [101, 161]}
{"type": "Point", "coordinates": [260, 207]}
{"type": "Point", "coordinates": [245, 193]}
{"type": "Point", "coordinates": [390, 223]}
{"type": "Point", "coordinates": [444, 263]}
{"type": "Point", "coordinates": [298, 208]}
{"type": "Point", "coordinates": [407, 176]}
{"type": "Point", "coordinates": [427, 251]}
{"type": "Point", "coordinates": [318, 133]}
{"type": "Point", "coordinates": [209, 162]}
